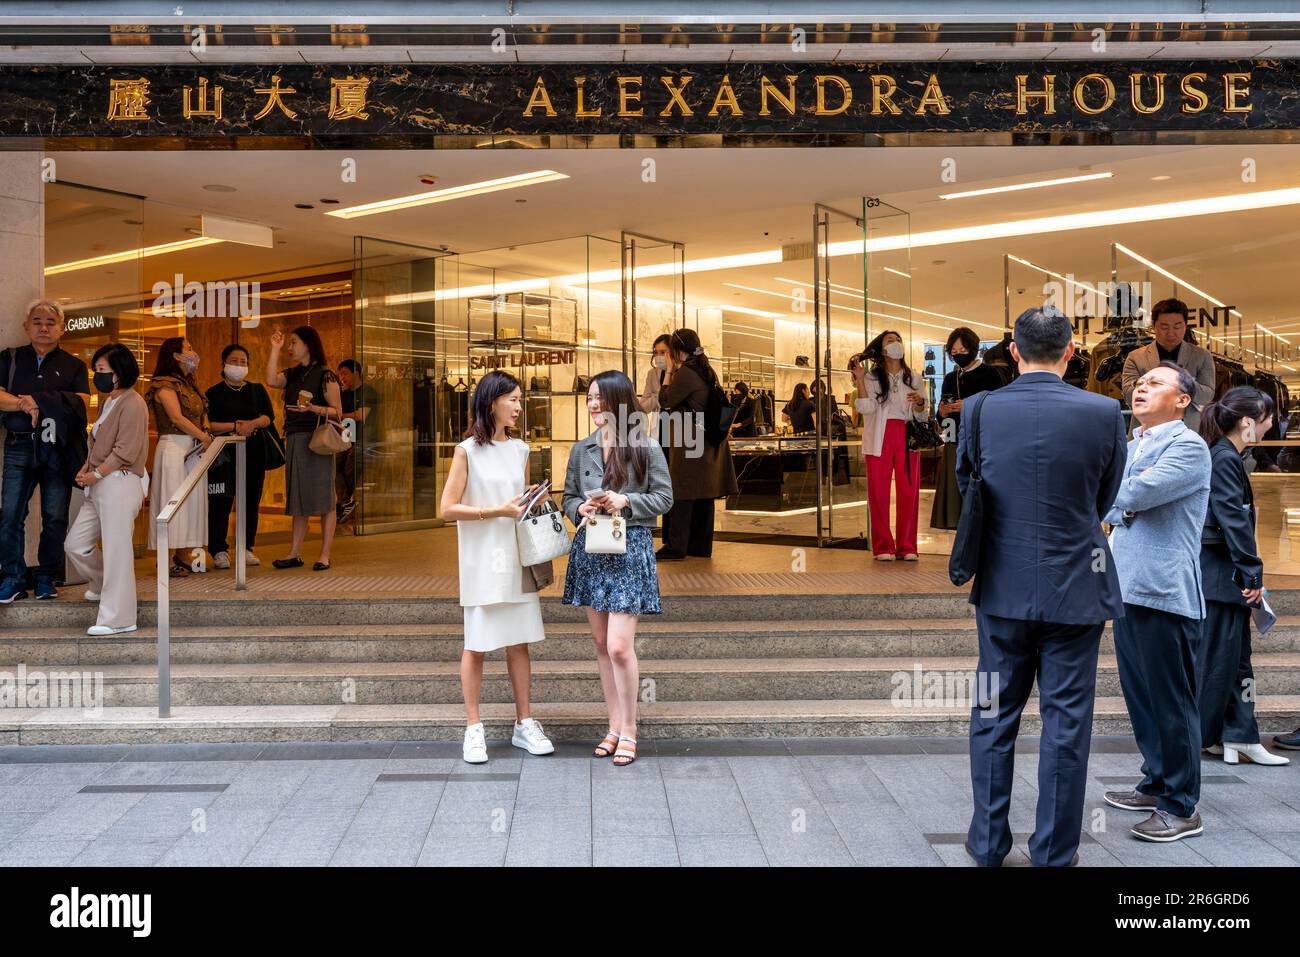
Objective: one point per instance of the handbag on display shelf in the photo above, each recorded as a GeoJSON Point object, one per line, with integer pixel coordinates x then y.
{"type": "Point", "coordinates": [328, 438]}
{"type": "Point", "coordinates": [581, 383]}
{"type": "Point", "coordinates": [542, 534]}
{"type": "Point", "coordinates": [606, 535]}
{"type": "Point", "coordinates": [540, 384]}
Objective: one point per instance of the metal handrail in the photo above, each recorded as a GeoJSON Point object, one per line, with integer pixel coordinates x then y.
{"type": "Point", "coordinates": [165, 516]}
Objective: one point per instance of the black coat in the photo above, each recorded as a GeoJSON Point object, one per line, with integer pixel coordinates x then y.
{"type": "Point", "coordinates": [1229, 558]}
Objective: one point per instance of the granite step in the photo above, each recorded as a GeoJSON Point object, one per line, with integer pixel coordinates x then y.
{"type": "Point", "coordinates": [657, 639]}
{"type": "Point", "coordinates": [666, 680]}
{"type": "Point", "coordinates": [582, 722]}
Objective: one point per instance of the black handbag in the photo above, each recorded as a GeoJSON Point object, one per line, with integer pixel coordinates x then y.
{"type": "Point", "coordinates": [969, 540]}
{"type": "Point", "coordinates": [923, 435]}
{"type": "Point", "coordinates": [272, 447]}
{"type": "Point", "coordinates": [581, 383]}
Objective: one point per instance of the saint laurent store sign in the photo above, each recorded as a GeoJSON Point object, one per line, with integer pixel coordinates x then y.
{"type": "Point", "coordinates": [365, 101]}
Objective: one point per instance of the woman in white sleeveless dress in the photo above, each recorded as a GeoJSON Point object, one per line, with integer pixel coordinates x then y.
{"type": "Point", "coordinates": [487, 481]}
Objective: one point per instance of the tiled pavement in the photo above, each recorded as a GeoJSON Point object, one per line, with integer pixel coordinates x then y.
{"type": "Point", "coordinates": [872, 801]}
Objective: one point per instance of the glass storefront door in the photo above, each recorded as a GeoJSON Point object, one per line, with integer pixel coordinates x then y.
{"type": "Point", "coordinates": [654, 298]}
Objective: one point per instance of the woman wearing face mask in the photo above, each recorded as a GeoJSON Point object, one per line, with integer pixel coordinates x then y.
{"type": "Point", "coordinates": [616, 471]}
{"type": "Point", "coordinates": [887, 398]}
{"type": "Point", "coordinates": [179, 414]}
{"type": "Point", "coordinates": [1232, 577]}
{"type": "Point", "coordinates": [115, 480]}
{"type": "Point", "coordinates": [654, 380]}
{"type": "Point", "coordinates": [311, 395]}
{"type": "Point", "coordinates": [970, 377]}
{"type": "Point", "coordinates": [237, 407]}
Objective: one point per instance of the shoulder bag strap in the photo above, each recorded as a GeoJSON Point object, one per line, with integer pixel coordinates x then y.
{"type": "Point", "coordinates": [975, 432]}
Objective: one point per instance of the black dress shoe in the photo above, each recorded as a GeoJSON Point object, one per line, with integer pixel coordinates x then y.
{"type": "Point", "coordinates": [1287, 742]}
{"type": "Point", "coordinates": [288, 563]}
{"type": "Point", "coordinates": [665, 555]}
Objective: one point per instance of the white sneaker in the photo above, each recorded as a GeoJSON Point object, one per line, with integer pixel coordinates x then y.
{"type": "Point", "coordinates": [529, 736]}
{"type": "Point", "coordinates": [884, 557]}
{"type": "Point", "coordinates": [221, 560]}
{"type": "Point", "coordinates": [92, 596]}
{"type": "Point", "coordinates": [99, 631]}
{"type": "Point", "coordinates": [475, 747]}
{"type": "Point", "coordinates": [250, 558]}
{"type": "Point", "coordinates": [911, 557]}
{"type": "Point", "coordinates": [1253, 753]}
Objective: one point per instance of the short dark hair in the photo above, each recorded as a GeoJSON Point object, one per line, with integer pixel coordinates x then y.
{"type": "Point", "coordinates": [121, 360]}
{"type": "Point", "coordinates": [966, 337]}
{"type": "Point", "coordinates": [232, 348]}
{"type": "Point", "coordinates": [1168, 306]}
{"type": "Point", "coordinates": [1186, 381]}
{"type": "Point", "coordinates": [351, 365]}
{"type": "Point", "coordinates": [310, 338]}
{"type": "Point", "coordinates": [491, 387]}
{"type": "Point", "coordinates": [1042, 334]}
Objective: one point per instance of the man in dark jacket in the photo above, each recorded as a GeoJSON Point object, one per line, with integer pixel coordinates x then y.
{"type": "Point", "coordinates": [1051, 459]}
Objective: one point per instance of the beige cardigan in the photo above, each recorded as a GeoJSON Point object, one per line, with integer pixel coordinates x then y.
{"type": "Point", "coordinates": [123, 439]}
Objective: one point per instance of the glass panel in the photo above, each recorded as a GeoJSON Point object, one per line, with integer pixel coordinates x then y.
{"type": "Point", "coordinates": [655, 300]}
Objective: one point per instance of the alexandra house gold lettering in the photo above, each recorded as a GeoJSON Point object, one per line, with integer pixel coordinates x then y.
{"type": "Point", "coordinates": [580, 83]}
{"type": "Point", "coordinates": [1232, 93]}
{"type": "Point", "coordinates": [1135, 91]}
{"type": "Point", "coordinates": [629, 97]}
{"type": "Point", "coordinates": [933, 96]}
{"type": "Point", "coordinates": [539, 100]}
{"type": "Point", "coordinates": [1193, 94]}
{"type": "Point", "coordinates": [883, 88]}
{"type": "Point", "coordinates": [726, 98]}
{"type": "Point", "coordinates": [675, 96]}
{"type": "Point", "coordinates": [766, 89]}
{"type": "Point", "coordinates": [1108, 93]}
{"type": "Point", "coordinates": [1024, 95]}
{"type": "Point", "coordinates": [847, 91]}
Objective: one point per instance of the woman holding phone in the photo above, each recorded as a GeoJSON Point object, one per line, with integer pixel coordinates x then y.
{"type": "Point", "coordinates": [616, 470]}
{"type": "Point", "coordinates": [485, 495]}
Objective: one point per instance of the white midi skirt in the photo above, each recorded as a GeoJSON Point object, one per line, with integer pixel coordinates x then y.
{"type": "Point", "coordinates": [189, 527]}
{"type": "Point", "coordinates": [491, 627]}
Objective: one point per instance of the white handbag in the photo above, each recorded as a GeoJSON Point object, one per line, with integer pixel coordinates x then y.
{"type": "Point", "coordinates": [542, 535]}
{"type": "Point", "coordinates": [606, 535]}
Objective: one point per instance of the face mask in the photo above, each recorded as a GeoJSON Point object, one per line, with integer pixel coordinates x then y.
{"type": "Point", "coordinates": [104, 381]}
{"type": "Point", "coordinates": [962, 359]}
{"type": "Point", "coordinates": [894, 350]}
{"type": "Point", "coordinates": [660, 362]}
{"type": "Point", "coordinates": [189, 361]}
{"type": "Point", "coordinates": [235, 373]}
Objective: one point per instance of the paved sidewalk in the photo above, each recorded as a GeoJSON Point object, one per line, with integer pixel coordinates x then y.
{"type": "Point", "coordinates": [874, 801]}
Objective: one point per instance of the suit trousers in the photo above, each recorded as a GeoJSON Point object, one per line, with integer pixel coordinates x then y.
{"type": "Point", "coordinates": [1064, 659]}
{"type": "Point", "coordinates": [688, 527]}
{"type": "Point", "coordinates": [1225, 680]}
{"type": "Point", "coordinates": [901, 468]}
{"type": "Point", "coordinates": [1155, 651]}
{"type": "Point", "coordinates": [108, 515]}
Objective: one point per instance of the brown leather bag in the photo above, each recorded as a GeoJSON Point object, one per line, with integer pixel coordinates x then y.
{"type": "Point", "coordinates": [328, 438]}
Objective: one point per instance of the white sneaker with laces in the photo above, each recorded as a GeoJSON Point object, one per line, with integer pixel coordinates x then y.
{"type": "Point", "coordinates": [100, 631]}
{"type": "Point", "coordinates": [92, 596]}
{"type": "Point", "coordinates": [250, 558]}
{"type": "Point", "coordinates": [529, 736]}
{"type": "Point", "coordinates": [475, 748]}
{"type": "Point", "coordinates": [221, 560]}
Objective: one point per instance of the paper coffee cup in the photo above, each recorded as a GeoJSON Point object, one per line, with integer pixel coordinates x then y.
{"type": "Point", "coordinates": [304, 397]}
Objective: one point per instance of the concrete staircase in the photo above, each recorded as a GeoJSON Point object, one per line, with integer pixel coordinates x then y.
{"type": "Point", "coordinates": [711, 666]}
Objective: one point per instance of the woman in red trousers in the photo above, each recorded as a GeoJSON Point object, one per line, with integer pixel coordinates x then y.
{"type": "Point", "coordinates": [888, 397]}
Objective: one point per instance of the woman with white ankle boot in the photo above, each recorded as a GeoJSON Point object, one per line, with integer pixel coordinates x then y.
{"type": "Point", "coordinates": [484, 495]}
{"type": "Point", "coordinates": [1233, 578]}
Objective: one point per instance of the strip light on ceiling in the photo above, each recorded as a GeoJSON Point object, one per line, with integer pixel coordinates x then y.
{"type": "Point", "coordinates": [1168, 275]}
{"type": "Point", "coordinates": [1018, 186]}
{"type": "Point", "coordinates": [449, 193]}
{"type": "Point", "coordinates": [128, 255]}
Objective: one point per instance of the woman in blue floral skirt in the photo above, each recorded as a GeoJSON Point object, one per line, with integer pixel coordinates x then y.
{"type": "Point", "coordinates": [616, 470]}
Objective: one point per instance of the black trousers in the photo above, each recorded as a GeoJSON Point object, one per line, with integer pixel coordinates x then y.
{"type": "Point", "coordinates": [1155, 651]}
{"type": "Point", "coordinates": [345, 475]}
{"type": "Point", "coordinates": [688, 527]}
{"type": "Point", "coordinates": [1225, 680]}
{"type": "Point", "coordinates": [1064, 659]}
{"type": "Point", "coordinates": [219, 508]}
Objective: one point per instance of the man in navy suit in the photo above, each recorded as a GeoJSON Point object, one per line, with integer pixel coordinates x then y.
{"type": "Point", "coordinates": [1051, 458]}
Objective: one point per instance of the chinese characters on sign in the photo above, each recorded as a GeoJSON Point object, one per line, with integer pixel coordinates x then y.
{"type": "Point", "coordinates": [129, 99]}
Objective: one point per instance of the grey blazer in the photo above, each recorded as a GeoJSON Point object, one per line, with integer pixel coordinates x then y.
{"type": "Point", "coordinates": [646, 499]}
{"type": "Point", "coordinates": [1199, 362]}
{"type": "Point", "coordinates": [1158, 516]}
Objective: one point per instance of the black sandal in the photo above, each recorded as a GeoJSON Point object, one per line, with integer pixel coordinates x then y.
{"type": "Point", "coordinates": [178, 569]}
{"type": "Point", "coordinates": [320, 567]}
{"type": "Point", "coordinates": [287, 563]}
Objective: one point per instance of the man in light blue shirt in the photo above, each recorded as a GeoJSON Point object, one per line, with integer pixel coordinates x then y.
{"type": "Point", "coordinates": [1158, 516]}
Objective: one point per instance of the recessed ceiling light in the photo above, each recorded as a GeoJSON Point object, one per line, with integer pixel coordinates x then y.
{"type": "Point", "coordinates": [328, 201]}
{"type": "Point", "coordinates": [134, 222]}
{"type": "Point", "coordinates": [303, 206]}
{"type": "Point", "coordinates": [1035, 185]}
{"type": "Point", "coordinates": [194, 230]}
{"type": "Point", "coordinates": [219, 188]}
{"type": "Point", "coordinates": [450, 193]}
{"type": "Point", "coordinates": [521, 201]}
{"type": "Point", "coordinates": [938, 262]}
{"type": "Point", "coordinates": [1161, 178]}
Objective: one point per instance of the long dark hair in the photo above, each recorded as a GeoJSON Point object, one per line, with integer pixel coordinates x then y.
{"type": "Point", "coordinates": [491, 387]}
{"type": "Point", "coordinates": [800, 393]}
{"type": "Point", "coordinates": [687, 341]}
{"type": "Point", "coordinates": [310, 338]}
{"type": "Point", "coordinates": [618, 396]}
{"type": "Point", "coordinates": [168, 364]}
{"type": "Point", "coordinates": [876, 349]}
{"type": "Point", "coordinates": [1225, 413]}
